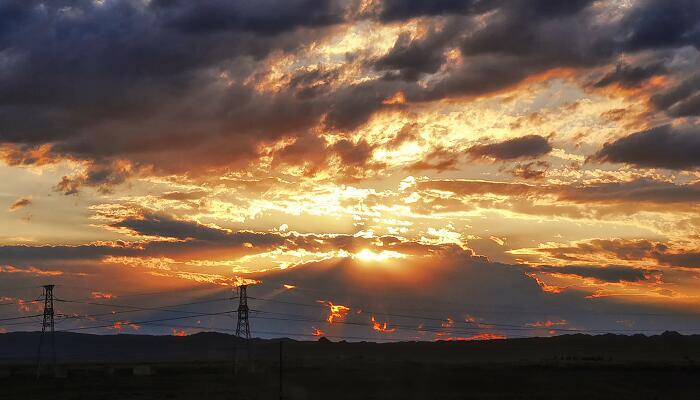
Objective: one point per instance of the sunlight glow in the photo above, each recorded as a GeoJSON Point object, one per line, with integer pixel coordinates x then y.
{"type": "Point", "coordinates": [369, 255]}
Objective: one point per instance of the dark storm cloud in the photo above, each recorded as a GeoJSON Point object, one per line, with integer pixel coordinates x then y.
{"type": "Point", "coordinates": [150, 224]}
{"type": "Point", "coordinates": [29, 255]}
{"type": "Point", "coordinates": [681, 100]}
{"type": "Point", "coordinates": [610, 273]}
{"type": "Point", "coordinates": [531, 27]}
{"type": "Point", "coordinates": [688, 259]}
{"type": "Point", "coordinates": [117, 80]}
{"type": "Point", "coordinates": [630, 76]}
{"type": "Point", "coordinates": [165, 83]}
{"type": "Point", "coordinates": [312, 83]}
{"type": "Point", "coordinates": [163, 236]}
{"type": "Point", "coordinates": [537, 36]}
{"type": "Point", "coordinates": [534, 170]}
{"type": "Point", "coordinates": [637, 191]}
{"type": "Point", "coordinates": [534, 35]}
{"type": "Point", "coordinates": [660, 147]}
{"type": "Point", "coordinates": [530, 146]}
{"type": "Point", "coordinates": [641, 190]}
{"type": "Point", "coordinates": [518, 35]}
{"type": "Point", "coordinates": [663, 254]}
{"type": "Point", "coordinates": [353, 105]}
{"type": "Point", "coordinates": [102, 175]}
{"type": "Point", "coordinates": [409, 59]}
{"type": "Point", "coordinates": [402, 9]}
{"type": "Point", "coordinates": [660, 23]}
{"type": "Point", "coordinates": [353, 153]}
{"type": "Point", "coordinates": [261, 16]}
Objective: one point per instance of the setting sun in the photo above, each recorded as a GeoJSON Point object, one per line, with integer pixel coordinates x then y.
{"type": "Point", "coordinates": [369, 255]}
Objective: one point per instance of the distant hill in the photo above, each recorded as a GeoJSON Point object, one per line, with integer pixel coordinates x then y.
{"type": "Point", "coordinates": [668, 348]}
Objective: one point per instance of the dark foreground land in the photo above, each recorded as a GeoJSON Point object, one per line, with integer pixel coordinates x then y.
{"type": "Point", "coordinates": [203, 366]}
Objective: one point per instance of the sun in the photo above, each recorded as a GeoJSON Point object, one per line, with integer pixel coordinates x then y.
{"type": "Point", "coordinates": [369, 255]}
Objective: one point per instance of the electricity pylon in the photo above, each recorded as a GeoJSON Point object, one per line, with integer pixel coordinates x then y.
{"type": "Point", "coordinates": [48, 322]}
{"type": "Point", "coordinates": [243, 326]}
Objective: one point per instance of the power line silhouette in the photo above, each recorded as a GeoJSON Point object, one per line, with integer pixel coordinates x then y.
{"type": "Point", "coordinates": [243, 324]}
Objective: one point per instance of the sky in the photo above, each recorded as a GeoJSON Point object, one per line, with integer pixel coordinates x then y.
{"type": "Point", "coordinates": [372, 169]}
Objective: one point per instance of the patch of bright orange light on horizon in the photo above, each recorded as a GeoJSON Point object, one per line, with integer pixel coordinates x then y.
{"type": "Point", "coordinates": [379, 327]}
{"type": "Point", "coordinates": [120, 325]}
{"type": "Point", "coordinates": [337, 311]}
{"type": "Point", "coordinates": [548, 323]}
{"type": "Point", "coordinates": [288, 286]}
{"type": "Point", "coordinates": [448, 324]}
{"type": "Point", "coordinates": [481, 336]}
{"type": "Point", "coordinates": [102, 295]}
{"type": "Point", "coordinates": [180, 333]}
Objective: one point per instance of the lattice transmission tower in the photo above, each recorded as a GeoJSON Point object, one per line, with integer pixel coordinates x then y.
{"type": "Point", "coordinates": [47, 324]}
{"type": "Point", "coordinates": [243, 325]}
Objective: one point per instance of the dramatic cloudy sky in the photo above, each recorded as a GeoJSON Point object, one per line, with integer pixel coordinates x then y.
{"type": "Point", "coordinates": [452, 168]}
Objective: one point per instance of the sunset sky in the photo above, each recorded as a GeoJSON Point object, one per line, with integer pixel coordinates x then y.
{"type": "Point", "coordinates": [440, 168]}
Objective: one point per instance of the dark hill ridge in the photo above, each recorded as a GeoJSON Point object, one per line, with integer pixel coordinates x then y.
{"type": "Point", "coordinates": [668, 348]}
{"type": "Point", "coordinates": [201, 366]}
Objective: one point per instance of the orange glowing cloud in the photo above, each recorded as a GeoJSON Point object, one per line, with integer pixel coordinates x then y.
{"type": "Point", "coordinates": [448, 324]}
{"type": "Point", "coordinates": [240, 281]}
{"type": "Point", "coordinates": [30, 305]}
{"type": "Point", "coordinates": [22, 304]}
{"type": "Point", "coordinates": [317, 332]}
{"type": "Point", "coordinates": [481, 336]}
{"type": "Point", "coordinates": [9, 269]}
{"type": "Point", "coordinates": [379, 327]}
{"type": "Point", "coordinates": [337, 311]}
{"type": "Point", "coordinates": [548, 323]}
{"type": "Point", "coordinates": [102, 295]}
{"type": "Point", "coordinates": [545, 287]}
{"type": "Point", "coordinates": [120, 325]}
{"type": "Point", "coordinates": [398, 98]}
{"type": "Point", "coordinates": [176, 332]}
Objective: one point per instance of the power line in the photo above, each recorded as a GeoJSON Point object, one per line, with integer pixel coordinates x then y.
{"type": "Point", "coordinates": [138, 308]}
{"type": "Point", "coordinates": [20, 302]}
{"type": "Point", "coordinates": [514, 310]}
{"type": "Point", "coordinates": [22, 317]}
{"type": "Point", "coordinates": [504, 327]}
{"type": "Point", "coordinates": [34, 322]}
{"type": "Point", "coordinates": [466, 330]}
{"type": "Point", "coordinates": [293, 334]}
{"type": "Point", "coordinates": [140, 322]}
{"type": "Point", "coordinates": [139, 294]}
